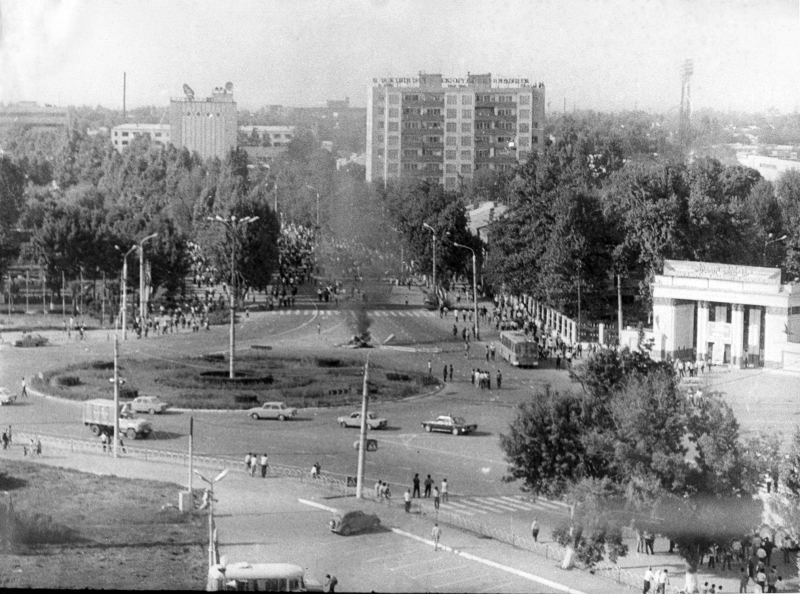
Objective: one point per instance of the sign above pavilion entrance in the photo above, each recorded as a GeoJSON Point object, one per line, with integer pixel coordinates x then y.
{"type": "Point", "coordinates": [723, 272]}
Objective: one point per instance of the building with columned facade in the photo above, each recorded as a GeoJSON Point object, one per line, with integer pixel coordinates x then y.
{"type": "Point", "coordinates": [726, 314]}
{"type": "Point", "coordinates": [444, 129]}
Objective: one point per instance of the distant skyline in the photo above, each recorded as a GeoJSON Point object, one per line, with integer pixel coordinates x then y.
{"type": "Point", "coordinates": [597, 54]}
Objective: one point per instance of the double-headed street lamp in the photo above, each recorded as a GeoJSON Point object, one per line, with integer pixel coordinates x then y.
{"type": "Point", "coordinates": [232, 224]}
{"type": "Point", "coordinates": [210, 482]}
{"type": "Point", "coordinates": [142, 301]}
{"type": "Point", "coordinates": [125, 290]}
{"type": "Point", "coordinates": [474, 286]}
{"type": "Point", "coordinates": [769, 241]}
{"type": "Point", "coordinates": [432, 230]}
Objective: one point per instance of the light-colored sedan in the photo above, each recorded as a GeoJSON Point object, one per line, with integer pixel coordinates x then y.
{"type": "Point", "coordinates": [354, 420]}
{"type": "Point", "coordinates": [272, 410]}
{"type": "Point", "coordinates": [149, 404]}
{"type": "Point", "coordinates": [6, 397]}
{"type": "Point", "coordinates": [31, 340]}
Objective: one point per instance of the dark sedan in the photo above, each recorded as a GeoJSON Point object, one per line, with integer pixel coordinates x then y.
{"type": "Point", "coordinates": [347, 523]}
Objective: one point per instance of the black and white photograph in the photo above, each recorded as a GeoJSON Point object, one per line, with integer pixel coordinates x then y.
{"type": "Point", "coordinates": [400, 295]}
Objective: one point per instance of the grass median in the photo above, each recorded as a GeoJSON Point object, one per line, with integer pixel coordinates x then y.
{"type": "Point", "coordinates": [73, 530]}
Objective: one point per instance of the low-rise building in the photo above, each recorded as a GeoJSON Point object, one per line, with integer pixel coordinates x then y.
{"type": "Point", "coordinates": [124, 134]}
{"type": "Point", "coordinates": [278, 136]}
{"type": "Point", "coordinates": [28, 113]}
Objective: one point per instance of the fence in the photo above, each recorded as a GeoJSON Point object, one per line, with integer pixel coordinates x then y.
{"type": "Point", "coordinates": [336, 486]}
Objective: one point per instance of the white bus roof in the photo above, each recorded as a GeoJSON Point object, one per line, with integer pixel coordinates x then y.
{"type": "Point", "coordinates": [256, 571]}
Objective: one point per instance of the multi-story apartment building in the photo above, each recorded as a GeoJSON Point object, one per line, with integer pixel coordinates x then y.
{"type": "Point", "coordinates": [28, 113]}
{"type": "Point", "coordinates": [207, 125]}
{"type": "Point", "coordinates": [122, 135]}
{"type": "Point", "coordinates": [444, 129]}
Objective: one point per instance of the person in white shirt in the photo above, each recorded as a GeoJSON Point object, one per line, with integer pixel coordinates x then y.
{"type": "Point", "coordinates": [648, 580]}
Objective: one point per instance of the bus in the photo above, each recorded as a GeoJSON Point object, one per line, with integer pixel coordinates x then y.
{"type": "Point", "coordinates": [259, 577]}
{"type": "Point", "coordinates": [519, 349]}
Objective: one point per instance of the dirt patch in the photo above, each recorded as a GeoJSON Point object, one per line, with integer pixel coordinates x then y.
{"type": "Point", "coordinates": [122, 534]}
{"type": "Point", "coordinates": [202, 382]}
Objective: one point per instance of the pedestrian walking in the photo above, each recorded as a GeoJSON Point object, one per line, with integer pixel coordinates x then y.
{"type": "Point", "coordinates": [451, 372]}
{"type": "Point", "coordinates": [663, 581]}
{"type": "Point", "coordinates": [535, 530]}
{"type": "Point", "coordinates": [122, 446]}
{"type": "Point", "coordinates": [38, 448]}
{"type": "Point", "coordinates": [24, 388]}
{"type": "Point", "coordinates": [330, 583]}
{"type": "Point", "coordinates": [558, 360]}
{"type": "Point", "coordinates": [444, 490]}
{"type": "Point", "coordinates": [263, 462]}
{"type": "Point", "coordinates": [472, 377]}
{"type": "Point", "coordinates": [492, 350]}
{"type": "Point", "coordinates": [428, 485]}
{"type": "Point", "coordinates": [319, 328]}
{"type": "Point", "coordinates": [104, 441]}
{"type": "Point", "coordinates": [648, 580]}
{"type": "Point", "coordinates": [407, 501]}
{"type": "Point", "coordinates": [466, 350]}
{"type": "Point", "coordinates": [499, 379]}
{"type": "Point", "coordinates": [744, 579]}
{"type": "Point", "coordinates": [430, 367]}
{"type": "Point", "coordinates": [436, 534]}
{"type": "Point", "coordinates": [253, 465]}
{"type": "Point", "coordinates": [444, 373]}
{"type": "Point", "coordinates": [416, 486]}
{"type": "Point", "coordinates": [5, 439]}
{"type": "Point", "coordinates": [487, 353]}
{"type": "Point", "coordinates": [315, 470]}
{"type": "Point", "coordinates": [436, 498]}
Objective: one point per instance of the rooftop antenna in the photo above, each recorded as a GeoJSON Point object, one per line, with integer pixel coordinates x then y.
{"type": "Point", "coordinates": [187, 90]}
{"type": "Point", "coordinates": [229, 87]}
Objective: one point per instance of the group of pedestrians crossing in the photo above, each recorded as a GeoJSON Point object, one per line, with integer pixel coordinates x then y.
{"type": "Point", "coordinates": [439, 493]}
{"type": "Point", "coordinates": [254, 462]}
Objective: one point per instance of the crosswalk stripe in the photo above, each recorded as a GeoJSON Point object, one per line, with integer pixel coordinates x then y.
{"type": "Point", "coordinates": [548, 505]}
{"type": "Point", "coordinates": [501, 505]}
{"type": "Point", "coordinates": [481, 505]}
{"type": "Point", "coordinates": [515, 504]}
{"type": "Point", "coordinates": [459, 509]}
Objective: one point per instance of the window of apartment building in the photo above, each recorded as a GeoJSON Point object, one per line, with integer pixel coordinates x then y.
{"type": "Point", "coordinates": [466, 113]}
{"type": "Point", "coordinates": [524, 142]}
{"type": "Point", "coordinates": [412, 97]}
{"type": "Point", "coordinates": [410, 153]}
{"type": "Point", "coordinates": [535, 139]}
{"type": "Point", "coordinates": [125, 134]}
{"type": "Point", "coordinates": [483, 98]}
{"type": "Point", "coordinates": [535, 124]}
{"type": "Point", "coordinates": [505, 125]}
{"type": "Point", "coordinates": [481, 139]}
{"type": "Point", "coordinates": [394, 112]}
{"type": "Point", "coordinates": [466, 155]}
{"type": "Point", "coordinates": [394, 154]}
{"type": "Point", "coordinates": [452, 113]}
{"type": "Point", "coordinates": [410, 125]}
{"type": "Point", "coordinates": [379, 138]}
{"type": "Point", "coordinates": [523, 127]}
{"type": "Point", "coordinates": [466, 127]}
{"type": "Point", "coordinates": [504, 139]}
{"type": "Point", "coordinates": [380, 124]}
{"type": "Point", "coordinates": [450, 168]}
{"type": "Point", "coordinates": [483, 153]}
{"type": "Point", "coordinates": [431, 152]}
{"type": "Point", "coordinates": [393, 168]}
{"type": "Point", "coordinates": [466, 99]}
{"type": "Point", "coordinates": [451, 127]}
{"type": "Point", "coordinates": [505, 111]}
{"type": "Point", "coordinates": [381, 110]}
{"type": "Point", "coordinates": [524, 114]}
{"type": "Point", "coordinates": [450, 183]}
{"type": "Point", "coordinates": [394, 99]}
{"type": "Point", "coordinates": [504, 166]}
{"type": "Point", "coordinates": [433, 139]}
{"type": "Point", "coordinates": [411, 111]}
{"type": "Point", "coordinates": [432, 125]}
{"type": "Point", "coordinates": [466, 168]}
{"type": "Point", "coordinates": [466, 141]}
{"type": "Point", "coordinates": [450, 154]}
{"type": "Point", "coordinates": [433, 166]}
{"type": "Point", "coordinates": [452, 100]}
{"type": "Point", "coordinates": [524, 99]}
{"type": "Point", "coordinates": [393, 126]}
{"type": "Point", "coordinates": [394, 141]}
{"type": "Point", "coordinates": [124, 142]}
{"type": "Point", "coordinates": [483, 125]}
{"type": "Point", "coordinates": [451, 141]}
{"type": "Point", "coordinates": [484, 111]}
{"type": "Point", "coordinates": [409, 166]}
{"type": "Point", "coordinates": [380, 153]}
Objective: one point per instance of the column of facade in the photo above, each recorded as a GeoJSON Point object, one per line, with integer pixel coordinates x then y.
{"type": "Point", "coordinates": [702, 330]}
{"type": "Point", "coordinates": [754, 335]}
{"type": "Point", "coordinates": [737, 335]}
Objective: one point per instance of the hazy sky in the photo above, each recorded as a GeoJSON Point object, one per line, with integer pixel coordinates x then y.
{"type": "Point", "coordinates": [599, 54]}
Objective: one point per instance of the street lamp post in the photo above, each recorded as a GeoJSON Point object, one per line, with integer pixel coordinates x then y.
{"type": "Point", "coordinates": [231, 225]}
{"type": "Point", "coordinates": [210, 482]}
{"type": "Point", "coordinates": [317, 192]}
{"type": "Point", "coordinates": [769, 241]}
{"type": "Point", "coordinates": [125, 290]}
{"type": "Point", "coordinates": [474, 286]}
{"type": "Point", "coordinates": [432, 230]}
{"type": "Point", "coordinates": [142, 303]}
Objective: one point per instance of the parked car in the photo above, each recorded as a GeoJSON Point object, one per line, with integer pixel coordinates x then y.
{"type": "Point", "coordinates": [6, 397]}
{"type": "Point", "coordinates": [31, 340]}
{"type": "Point", "coordinates": [354, 420]}
{"type": "Point", "coordinates": [349, 522]}
{"type": "Point", "coordinates": [449, 424]}
{"type": "Point", "coordinates": [149, 404]}
{"type": "Point", "coordinates": [272, 410]}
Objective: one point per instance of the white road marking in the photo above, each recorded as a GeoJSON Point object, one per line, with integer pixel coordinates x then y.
{"type": "Point", "coordinates": [459, 509]}
{"type": "Point", "coordinates": [493, 507]}
{"type": "Point", "coordinates": [416, 563]}
{"type": "Point", "coordinates": [515, 506]}
{"type": "Point", "coordinates": [419, 575]}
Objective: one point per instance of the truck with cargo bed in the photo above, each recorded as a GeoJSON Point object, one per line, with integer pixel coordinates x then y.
{"type": "Point", "coordinates": [98, 415]}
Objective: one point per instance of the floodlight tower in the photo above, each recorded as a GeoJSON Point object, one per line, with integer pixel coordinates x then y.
{"type": "Point", "coordinates": [684, 125]}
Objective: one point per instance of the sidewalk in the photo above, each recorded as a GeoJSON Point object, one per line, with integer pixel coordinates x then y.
{"type": "Point", "coordinates": [240, 492]}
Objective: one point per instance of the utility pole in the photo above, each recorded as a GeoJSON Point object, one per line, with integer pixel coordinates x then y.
{"type": "Point", "coordinates": [619, 309]}
{"type": "Point", "coordinates": [116, 395]}
{"type": "Point", "coordinates": [191, 456]}
{"type": "Point", "coordinates": [362, 441]}
{"type": "Point", "coordinates": [432, 230]}
{"type": "Point", "coordinates": [142, 300]}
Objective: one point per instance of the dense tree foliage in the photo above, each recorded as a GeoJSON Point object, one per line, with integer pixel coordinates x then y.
{"type": "Point", "coordinates": [628, 449]}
